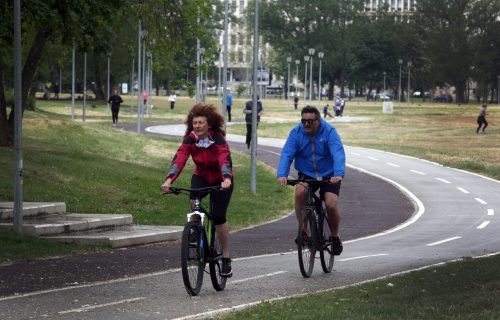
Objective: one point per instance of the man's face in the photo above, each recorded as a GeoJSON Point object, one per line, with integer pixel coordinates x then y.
{"type": "Point", "coordinates": [310, 123]}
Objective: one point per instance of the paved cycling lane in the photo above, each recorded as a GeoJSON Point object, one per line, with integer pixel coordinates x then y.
{"type": "Point", "coordinates": [457, 216]}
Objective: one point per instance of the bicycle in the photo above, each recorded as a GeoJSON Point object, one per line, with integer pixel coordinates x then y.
{"type": "Point", "coordinates": [313, 233]}
{"type": "Point", "coordinates": [199, 245]}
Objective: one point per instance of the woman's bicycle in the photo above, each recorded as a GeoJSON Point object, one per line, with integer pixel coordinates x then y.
{"type": "Point", "coordinates": [200, 245]}
{"type": "Point", "coordinates": [314, 233]}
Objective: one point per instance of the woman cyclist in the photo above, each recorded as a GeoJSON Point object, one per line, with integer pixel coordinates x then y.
{"type": "Point", "coordinates": [205, 142]}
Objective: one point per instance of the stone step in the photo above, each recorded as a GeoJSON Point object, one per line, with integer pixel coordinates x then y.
{"type": "Point", "coordinates": [31, 209]}
{"type": "Point", "coordinates": [122, 236]}
{"type": "Point", "coordinates": [52, 224]}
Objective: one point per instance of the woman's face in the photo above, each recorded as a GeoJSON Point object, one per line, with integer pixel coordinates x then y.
{"type": "Point", "coordinates": [200, 127]}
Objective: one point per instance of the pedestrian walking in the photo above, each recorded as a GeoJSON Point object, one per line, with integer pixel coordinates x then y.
{"type": "Point", "coordinates": [172, 98]}
{"type": "Point", "coordinates": [481, 119]}
{"type": "Point", "coordinates": [229, 103]}
{"type": "Point", "coordinates": [248, 118]}
{"type": "Point", "coordinates": [115, 100]}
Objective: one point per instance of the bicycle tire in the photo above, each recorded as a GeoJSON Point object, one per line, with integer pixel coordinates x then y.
{"type": "Point", "coordinates": [326, 253]}
{"type": "Point", "coordinates": [306, 247]}
{"type": "Point", "coordinates": [215, 266]}
{"type": "Point", "coordinates": [192, 258]}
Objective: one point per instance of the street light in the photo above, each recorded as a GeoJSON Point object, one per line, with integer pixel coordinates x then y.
{"type": "Point", "coordinates": [306, 58]}
{"type": "Point", "coordinates": [297, 62]}
{"type": "Point", "coordinates": [320, 56]}
{"type": "Point", "coordinates": [384, 81]}
{"type": "Point", "coordinates": [409, 67]}
{"type": "Point", "coordinates": [399, 89]}
{"type": "Point", "coordinates": [311, 53]}
{"type": "Point", "coordinates": [200, 74]}
{"type": "Point", "coordinates": [288, 60]}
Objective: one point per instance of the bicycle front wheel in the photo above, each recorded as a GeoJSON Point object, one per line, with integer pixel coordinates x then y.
{"type": "Point", "coordinates": [306, 242]}
{"type": "Point", "coordinates": [192, 258]}
{"type": "Point", "coordinates": [215, 266]}
{"type": "Point", "coordinates": [326, 253]}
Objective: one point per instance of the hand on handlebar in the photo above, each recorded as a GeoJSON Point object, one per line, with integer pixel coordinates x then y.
{"type": "Point", "coordinates": [165, 187]}
{"type": "Point", "coordinates": [335, 179]}
{"type": "Point", "coordinates": [226, 184]}
{"type": "Point", "coordinates": [282, 181]}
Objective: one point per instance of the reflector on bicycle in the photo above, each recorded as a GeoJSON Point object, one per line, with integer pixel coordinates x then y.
{"type": "Point", "coordinates": [196, 216]}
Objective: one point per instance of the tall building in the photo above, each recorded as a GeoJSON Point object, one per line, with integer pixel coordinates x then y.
{"type": "Point", "coordinates": [402, 6]}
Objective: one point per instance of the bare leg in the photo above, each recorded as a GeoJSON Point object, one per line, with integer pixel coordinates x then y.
{"type": "Point", "coordinates": [331, 201]}
{"type": "Point", "coordinates": [222, 231]}
{"type": "Point", "coordinates": [300, 200]}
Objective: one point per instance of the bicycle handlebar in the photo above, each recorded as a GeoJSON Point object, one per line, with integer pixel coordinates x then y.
{"type": "Point", "coordinates": [178, 190]}
{"type": "Point", "coordinates": [292, 182]}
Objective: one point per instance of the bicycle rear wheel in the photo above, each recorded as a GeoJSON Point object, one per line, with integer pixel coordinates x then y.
{"type": "Point", "coordinates": [215, 266]}
{"type": "Point", "coordinates": [306, 243]}
{"type": "Point", "coordinates": [326, 252]}
{"type": "Point", "coordinates": [192, 258]}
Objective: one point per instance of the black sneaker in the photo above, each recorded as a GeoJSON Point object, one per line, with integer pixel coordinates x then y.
{"type": "Point", "coordinates": [337, 246]}
{"type": "Point", "coordinates": [226, 270]}
{"type": "Point", "coordinates": [305, 239]}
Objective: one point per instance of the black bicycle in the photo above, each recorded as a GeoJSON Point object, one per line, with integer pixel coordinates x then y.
{"type": "Point", "coordinates": [314, 233]}
{"type": "Point", "coordinates": [200, 245]}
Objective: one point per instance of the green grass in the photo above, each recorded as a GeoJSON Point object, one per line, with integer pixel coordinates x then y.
{"type": "Point", "coordinates": [468, 289]}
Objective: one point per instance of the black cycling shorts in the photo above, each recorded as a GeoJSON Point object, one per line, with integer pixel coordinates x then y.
{"type": "Point", "coordinates": [331, 187]}
{"type": "Point", "coordinates": [220, 199]}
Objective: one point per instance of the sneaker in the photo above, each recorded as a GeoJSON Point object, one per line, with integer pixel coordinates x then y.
{"type": "Point", "coordinates": [305, 239]}
{"type": "Point", "coordinates": [226, 270]}
{"type": "Point", "coordinates": [337, 245]}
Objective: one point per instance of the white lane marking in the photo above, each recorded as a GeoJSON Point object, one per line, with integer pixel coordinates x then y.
{"type": "Point", "coordinates": [418, 203]}
{"type": "Point", "coordinates": [483, 225]}
{"type": "Point", "coordinates": [273, 152]}
{"type": "Point", "coordinates": [355, 153]}
{"type": "Point", "coordinates": [372, 158]}
{"type": "Point", "coordinates": [481, 201]}
{"type": "Point", "coordinates": [463, 190]}
{"type": "Point", "coordinates": [443, 180]}
{"type": "Point", "coordinates": [87, 308]}
{"type": "Point", "coordinates": [491, 212]}
{"type": "Point", "coordinates": [258, 277]}
{"type": "Point", "coordinates": [418, 172]}
{"type": "Point", "coordinates": [392, 164]}
{"type": "Point", "coordinates": [442, 241]}
{"type": "Point", "coordinates": [363, 257]}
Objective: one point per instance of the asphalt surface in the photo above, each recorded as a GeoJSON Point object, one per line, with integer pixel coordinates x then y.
{"type": "Point", "coordinates": [368, 205]}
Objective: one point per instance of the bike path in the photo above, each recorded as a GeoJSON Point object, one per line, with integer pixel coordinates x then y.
{"type": "Point", "coordinates": [368, 205]}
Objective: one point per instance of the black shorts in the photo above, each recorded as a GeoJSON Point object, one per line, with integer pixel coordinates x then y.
{"type": "Point", "coordinates": [220, 199]}
{"type": "Point", "coordinates": [331, 187]}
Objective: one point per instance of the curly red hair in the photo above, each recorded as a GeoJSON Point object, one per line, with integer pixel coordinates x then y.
{"type": "Point", "coordinates": [214, 118]}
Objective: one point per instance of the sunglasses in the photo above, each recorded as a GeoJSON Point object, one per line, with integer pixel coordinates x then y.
{"type": "Point", "coordinates": [308, 121]}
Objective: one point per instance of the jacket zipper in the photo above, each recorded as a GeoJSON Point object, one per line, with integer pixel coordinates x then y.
{"type": "Point", "coordinates": [314, 158]}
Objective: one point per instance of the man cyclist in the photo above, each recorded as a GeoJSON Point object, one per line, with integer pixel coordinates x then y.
{"type": "Point", "coordinates": [317, 150]}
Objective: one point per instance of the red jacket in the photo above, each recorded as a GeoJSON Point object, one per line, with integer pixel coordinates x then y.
{"type": "Point", "coordinates": [212, 162]}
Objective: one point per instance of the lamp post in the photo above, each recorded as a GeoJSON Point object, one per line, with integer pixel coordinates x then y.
{"type": "Point", "coordinates": [306, 59]}
{"type": "Point", "coordinates": [200, 74]}
{"type": "Point", "coordinates": [288, 60]}
{"type": "Point", "coordinates": [311, 53]}
{"type": "Point", "coordinates": [384, 80]}
{"type": "Point", "coordinates": [399, 89]}
{"type": "Point", "coordinates": [320, 56]}
{"type": "Point", "coordinates": [297, 62]}
{"type": "Point", "coordinates": [409, 67]}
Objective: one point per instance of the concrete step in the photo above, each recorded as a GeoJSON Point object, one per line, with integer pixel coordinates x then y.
{"type": "Point", "coordinates": [122, 236]}
{"type": "Point", "coordinates": [31, 209]}
{"type": "Point", "coordinates": [52, 224]}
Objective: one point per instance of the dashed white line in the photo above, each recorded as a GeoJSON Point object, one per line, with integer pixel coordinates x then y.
{"type": "Point", "coordinates": [463, 190]}
{"type": "Point", "coordinates": [355, 153]}
{"type": "Point", "coordinates": [258, 277]}
{"type": "Point", "coordinates": [443, 180]}
{"type": "Point", "coordinates": [418, 172]}
{"type": "Point", "coordinates": [442, 241]}
{"type": "Point", "coordinates": [481, 201]}
{"type": "Point", "coordinates": [87, 308]}
{"type": "Point", "coordinates": [363, 257]}
{"type": "Point", "coordinates": [483, 225]}
{"type": "Point", "coordinates": [491, 212]}
{"type": "Point", "coordinates": [393, 164]}
{"type": "Point", "coordinates": [372, 158]}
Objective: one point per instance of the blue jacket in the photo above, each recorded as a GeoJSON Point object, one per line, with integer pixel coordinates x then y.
{"type": "Point", "coordinates": [326, 159]}
{"type": "Point", "coordinates": [229, 99]}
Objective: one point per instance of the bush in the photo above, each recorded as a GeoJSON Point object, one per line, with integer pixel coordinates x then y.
{"type": "Point", "coordinates": [30, 103]}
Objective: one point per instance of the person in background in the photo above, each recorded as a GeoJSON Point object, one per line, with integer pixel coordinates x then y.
{"type": "Point", "coordinates": [248, 118]}
{"type": "Point", "coordinates": [229, 103]}
{"type": "Point", "coordinates": [296, 101]}
{"type": "Point", "coordinates": [172, 98]}
{"type": "Point", "coordinates": [115, 100]}
{"type": "Point", "coordinates": [205, 142]}
{"type": "Point", "coordinates": [326, 112]}
{"type": "Point", "coordinates": [481, 119]}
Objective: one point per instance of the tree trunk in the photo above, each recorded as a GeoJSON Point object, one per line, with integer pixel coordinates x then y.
{"type": "Point", "coordinates": [98, 89]}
